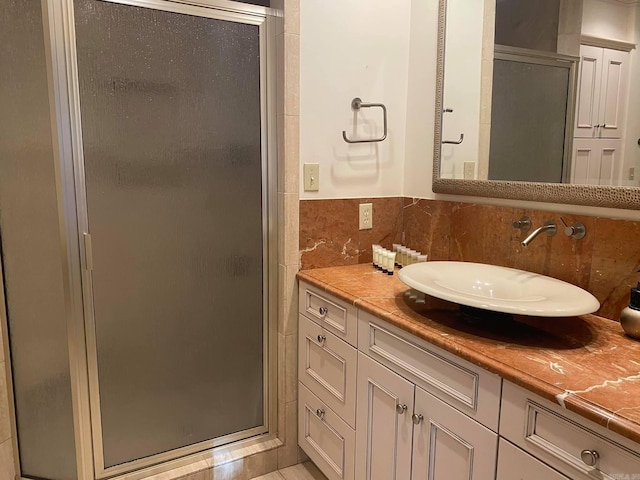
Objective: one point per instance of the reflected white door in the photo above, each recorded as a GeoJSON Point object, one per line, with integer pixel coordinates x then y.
{"type": "Point", "coordinates": [603, 87]}
{"type": "Point", "coordinates": [596, 161]}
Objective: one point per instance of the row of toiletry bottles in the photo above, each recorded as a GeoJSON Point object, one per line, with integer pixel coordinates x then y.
{"type": "Point", "coordinates": [401, 256]}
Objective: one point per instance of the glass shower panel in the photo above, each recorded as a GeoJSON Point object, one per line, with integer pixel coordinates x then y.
{"type": "Point", "coordinates": [171, 122]}
{"type": "Point", "coordinates": [31, 254]}
{"type": "Point", "coordinates": [528, 121]}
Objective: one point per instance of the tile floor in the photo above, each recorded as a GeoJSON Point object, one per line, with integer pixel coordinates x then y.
{"type": "Point", "coordinates": [302, 471]}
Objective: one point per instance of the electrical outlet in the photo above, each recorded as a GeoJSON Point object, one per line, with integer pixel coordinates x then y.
{"type": "Point", "coordinates": [366, 216]}
{"type": "Point", "coordinates": [311, 177]}
{"type": "Point", "coordinates": [469, 170]}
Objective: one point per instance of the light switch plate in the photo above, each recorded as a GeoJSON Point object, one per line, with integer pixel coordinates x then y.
{"type": "Point", "coordinates": [311, 173]}
{"type": "Point", "coordinates": [469, 170]}
{"type": "Point", "coordinates": [366, 216]}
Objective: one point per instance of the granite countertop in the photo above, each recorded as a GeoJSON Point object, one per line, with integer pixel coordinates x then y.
{"type": "Point", "coordinates": [586, 364]}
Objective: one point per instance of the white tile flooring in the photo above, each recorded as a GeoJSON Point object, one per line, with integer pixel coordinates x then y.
{"type": "Point", "coordinates": [302, 471]}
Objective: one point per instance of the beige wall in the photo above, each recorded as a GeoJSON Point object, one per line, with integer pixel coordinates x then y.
{"type": "Point", "coordinates": [288, 211]}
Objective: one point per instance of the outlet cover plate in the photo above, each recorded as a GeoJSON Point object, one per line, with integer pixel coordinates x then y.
{"type": "Point", "coordinates": [366, 216]}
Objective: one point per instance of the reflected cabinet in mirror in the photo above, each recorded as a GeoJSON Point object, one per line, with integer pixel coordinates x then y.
{"type": "Point", "coordinates": [539, 101]}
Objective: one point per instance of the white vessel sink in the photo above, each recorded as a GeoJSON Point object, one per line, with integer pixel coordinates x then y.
{"type": "Point", "coordinates": [499, 289]}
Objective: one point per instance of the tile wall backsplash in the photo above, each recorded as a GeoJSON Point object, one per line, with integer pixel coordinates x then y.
{"type": "Point", "coordinates": [329, 234]}
{"type": "Point", "coordinates": [605, 262]}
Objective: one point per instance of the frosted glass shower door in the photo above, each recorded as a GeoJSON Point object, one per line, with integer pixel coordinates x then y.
{"type": "Point", "coordinates": [175, 182]}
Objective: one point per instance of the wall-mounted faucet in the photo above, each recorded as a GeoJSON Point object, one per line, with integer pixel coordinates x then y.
{"type": "Point", "coordinates": [548, 228]}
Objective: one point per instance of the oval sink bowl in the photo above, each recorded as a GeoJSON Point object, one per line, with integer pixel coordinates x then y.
{"type": "Point", "coordinates": [499, 289]}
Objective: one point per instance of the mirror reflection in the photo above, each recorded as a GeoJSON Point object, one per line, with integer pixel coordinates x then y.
{"type": "Point", "coordinates": [544, 91]}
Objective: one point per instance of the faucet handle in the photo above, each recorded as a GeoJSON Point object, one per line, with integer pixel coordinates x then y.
{"type": "Point", "coordinates": [577, 230]}
{"type": "Point", "coordinates": [524, 224]}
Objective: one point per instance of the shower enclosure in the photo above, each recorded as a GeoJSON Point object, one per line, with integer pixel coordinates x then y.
{"type": "Point", "coordinates": [138, 228]}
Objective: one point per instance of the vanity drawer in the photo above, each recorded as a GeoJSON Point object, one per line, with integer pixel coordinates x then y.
{"type": "Point", "coordinates": [514, 464]}
{"type": "Point", "coordinates": [470, 389]}
{"type": "Point", "coordinates": [327, 367]}
{"type": "Point", "coordinates": [558, 437]}
{"type": "Point", "coordinates": [328, 441]}
{"type": "Point", "coordinates": [337, 316]}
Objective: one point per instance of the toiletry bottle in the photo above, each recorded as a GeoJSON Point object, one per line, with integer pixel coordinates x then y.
{"type": "Point", "coordinates": [375, 249]}
{"type": "Point", "coordinates": [383, 260]}
{"type": "Point", "coordinates": [402, 256]}
{"type": "Point", "coordinates": [630, 316]}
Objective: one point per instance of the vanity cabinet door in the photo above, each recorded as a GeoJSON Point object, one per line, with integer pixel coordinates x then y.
{"type": "Point", "coordinates": [337, 316]}
{"type": "Point", "coordinates": [327, 367]}
{"type": "Point", "coordinates": [576, 447]}
{"type": "Point", "coordinates": [325, 437]}
{"type": "Point", "coordinates": [448, 445]}
{"type": "Point", "coordinates": [383, 423]}
{"type": "Point", "coordinates": [472, 390]}
{"type": "Point", "coordinates": [514, 464]}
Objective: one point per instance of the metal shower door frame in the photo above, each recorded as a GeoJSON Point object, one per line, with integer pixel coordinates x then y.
{"type": "Point", "coordinates": [74, 226]}
{"type": "Point", "coordinates": [556, 60]}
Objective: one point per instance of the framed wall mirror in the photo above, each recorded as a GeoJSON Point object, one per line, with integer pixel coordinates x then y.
{"type": "Point", "coordinates": [539, 101]}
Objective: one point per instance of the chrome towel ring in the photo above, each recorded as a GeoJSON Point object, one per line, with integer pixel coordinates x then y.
{"type": "Point", "coordinates": [357, 104]}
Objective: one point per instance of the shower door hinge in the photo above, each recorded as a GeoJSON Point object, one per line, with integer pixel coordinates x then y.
{"type": "Point", "coordinates": [88, 251]}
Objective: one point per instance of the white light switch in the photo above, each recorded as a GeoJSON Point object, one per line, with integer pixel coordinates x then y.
{"type": "Point", "coordinates": [469, 170]}
{"type": "Point", "coordinates": [311, 177]}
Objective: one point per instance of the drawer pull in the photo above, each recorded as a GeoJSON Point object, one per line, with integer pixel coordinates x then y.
{"type": "Point", "coordinates": [322, 338]}
{"type": "Point", "coordinates": [323, 311]}
{"type": "Point", "coordinates": [400, 409]}
{"type": "Point", "coordinates": [417, 418]}
{"type": "Point", "coordinates": [589, 457]}
{"type": "Point", "coordinates": [320, 413]}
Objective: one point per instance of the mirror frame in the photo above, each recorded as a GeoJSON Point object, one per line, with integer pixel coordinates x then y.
{"type": "Point", "coordinates": [589, 195]}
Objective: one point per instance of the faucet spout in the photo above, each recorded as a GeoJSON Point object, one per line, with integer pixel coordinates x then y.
{"type": "Point", "coordinates": [548, 228]}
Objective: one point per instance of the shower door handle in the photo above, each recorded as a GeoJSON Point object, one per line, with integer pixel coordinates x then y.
{"type": "Point", "coordinates": [88, 251]}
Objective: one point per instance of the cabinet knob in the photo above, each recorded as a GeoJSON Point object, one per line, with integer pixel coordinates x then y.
{"type": "Point", "coordinates": [417, 418]}
{"type": "Point", "coordinates": [322, 338]}
{"type": "Point", "coordinates": [589, 457]}
{"type": "Point", "coordinates": [320, 413]}
{"type": "Point", "coordinates": [400, 409]}
{"type": "Point", "coordinates": [323, 311]}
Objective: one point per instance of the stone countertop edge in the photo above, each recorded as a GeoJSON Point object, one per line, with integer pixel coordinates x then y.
{"type": "Point", "coordinates": [572, 397]}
